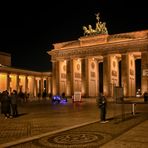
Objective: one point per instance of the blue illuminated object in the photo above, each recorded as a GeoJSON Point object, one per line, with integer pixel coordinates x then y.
{"type": "Point", "coordinates": [58, 99]}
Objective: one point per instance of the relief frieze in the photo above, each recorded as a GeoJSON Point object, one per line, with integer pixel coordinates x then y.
{"type": "Point", "coordinates": [131, 72]}
{"type": "Point", "coordinates": [114, 73]}
{"type": "Point", "coordinates": [77, 75]}
{"type": "Point", "coordinates": [92, 74]}
{"type": "Point", "coordinates": [63, 75]}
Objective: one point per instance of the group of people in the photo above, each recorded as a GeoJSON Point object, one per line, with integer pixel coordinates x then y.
{"type": "Point", "coordinates": [9, 104]}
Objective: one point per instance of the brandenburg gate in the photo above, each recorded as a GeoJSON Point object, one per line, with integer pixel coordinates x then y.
{"type": "Point", "coordinates": [76, 65]}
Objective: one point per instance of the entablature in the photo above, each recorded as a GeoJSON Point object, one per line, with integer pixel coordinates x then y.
{"type": "Point", "coordinates": [138, 45]}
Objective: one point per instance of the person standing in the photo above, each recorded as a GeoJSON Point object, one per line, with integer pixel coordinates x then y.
{"type": "Point", "coordinates": [102, 103]}
{"type": "Point", "coordinates": [5, 104]}
{"type": "Point", "coordinates": [14, 103]}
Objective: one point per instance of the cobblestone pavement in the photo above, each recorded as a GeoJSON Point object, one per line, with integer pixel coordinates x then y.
{"type": "Point", "coordinates": [93, 135]}
{"type": "Point", "coordinates": [44, 122]}
{"type": "Point", "coordinates": [137, 137]}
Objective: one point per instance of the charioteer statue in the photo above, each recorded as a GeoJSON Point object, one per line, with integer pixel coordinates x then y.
{"type": "Point", "coordinates": [100, 27]}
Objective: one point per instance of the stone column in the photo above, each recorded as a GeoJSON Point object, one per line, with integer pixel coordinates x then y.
{"type": "Point", "coordinates": [92, 77]}
{"type": "Point", "coordinates": [35, 87]}
{"type": "Point", "coordinates": [17, 83]}
{"type": "Point", "coordinates": [124, 74]}
{"type": "Point", "coordinates": [47, 85]}
{"type": "Point", "coordinates": [8, 82]}
{"type": "Point", "coordinates": [110, 74]}
{"type": "Point", "coordinates": [144, 71]}
{"type": "Point", "coordinates": [55, 77]}
{"type": "Point", "coordinates": [58, 77]}
{"type": "Point", "coordinates": [70, 80]}
{"type": "Point", "coordinates": [42, 86]}
{"type": "Point", "coordinates": [85, 79]}
{"type": "Point", "coordinates": [128, 74]}
{"type": "Point", "coordinates": [26, 84]}
{"type": "Point", "coordinates": [106, 75]}
{"type": "Point", "coordinates": [62, 77]}
{"type": "Point", "coordinates": [97, 77]}
{"type": "Point", "coordinates": [33, 81]}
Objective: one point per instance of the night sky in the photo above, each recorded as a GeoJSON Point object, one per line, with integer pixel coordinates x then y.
{"type": "Point", "coordinates": [28, 30]}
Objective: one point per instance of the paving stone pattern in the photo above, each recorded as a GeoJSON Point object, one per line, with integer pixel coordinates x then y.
{"type": "Point", "coordinates": [42, 117]}
{"type": "Point", "coordinates": [89, 136]}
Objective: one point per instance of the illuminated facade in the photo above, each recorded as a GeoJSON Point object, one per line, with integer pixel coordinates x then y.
{"type": "Point", "coordinates": [76, 64]}
{"type": "Point", "coordinates": [25, 81]}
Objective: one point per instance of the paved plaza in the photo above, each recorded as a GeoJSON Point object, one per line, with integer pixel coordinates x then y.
{"type": "Point", "coordinates": [75, 125]}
